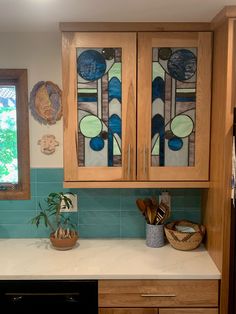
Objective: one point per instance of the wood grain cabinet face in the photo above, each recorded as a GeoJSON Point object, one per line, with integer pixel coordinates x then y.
{"type": "Point", "coordinates": [158, 293]}
{"type": "Point", "coordinates": [174, 106]}
{"type": "Point", "coordinates": [188, 311]}
{"type": "Point", "coordinates": [170, 135]}
{"type": "Point", "coordinates": [99, 99]}
{"type": "Point", "coordinates": [128, 311]}
{"type": "Point", "coordinates": [156, 311]}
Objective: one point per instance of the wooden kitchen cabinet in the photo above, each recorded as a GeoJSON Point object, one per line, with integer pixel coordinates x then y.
{"type": "Point", "coordinates": [159, 112]}
{"type": "Point", "coordinates": [174, 101]}
{"type": "Point", "coordinates": [188, 311]}
{"type": "Point", "coordinates": [99, 87]}
{"type": "Point", "coordinates": [156, 311]}
{"type": "Point", "coordinates": [172, 296]}
{"type": "Point", "coordinates": [128, 311]}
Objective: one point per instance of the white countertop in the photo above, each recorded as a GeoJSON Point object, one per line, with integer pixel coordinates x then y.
{"type": "Point", "coordinates": [102, 259]}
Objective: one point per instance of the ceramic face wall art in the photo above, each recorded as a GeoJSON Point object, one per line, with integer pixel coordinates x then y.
{"type": "Point", "coordinates": [48, 144]}
{"type": "Point", "coordinates": [45, 102]}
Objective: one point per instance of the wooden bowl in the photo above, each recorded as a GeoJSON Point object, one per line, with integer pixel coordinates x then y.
{"type": "Point", "coordinates": [182, 240]}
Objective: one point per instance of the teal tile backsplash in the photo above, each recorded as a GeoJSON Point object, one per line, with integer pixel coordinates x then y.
{"type": "Point", "coordinates": [103, 213]}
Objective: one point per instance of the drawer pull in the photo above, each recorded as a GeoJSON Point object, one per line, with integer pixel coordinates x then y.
{"type": "Point", "coordinates": [158, 295]}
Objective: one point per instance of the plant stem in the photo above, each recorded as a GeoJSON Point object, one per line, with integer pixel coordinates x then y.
{"type": "Point", "coordinates": [50, 225]}
{"type": "Point", "coordinates": [57, 214]}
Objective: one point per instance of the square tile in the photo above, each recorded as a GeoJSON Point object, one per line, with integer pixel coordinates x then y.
{"type": "Point", "coordinates": [99, 231]}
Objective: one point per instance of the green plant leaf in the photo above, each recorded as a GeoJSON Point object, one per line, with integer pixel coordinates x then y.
{"type": "Point", "coordinates": [53, 202]}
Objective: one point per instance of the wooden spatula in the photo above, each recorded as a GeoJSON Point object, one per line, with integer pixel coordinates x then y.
{"type": "Point", "coordinates": [141, 205]}
{"type": "Point", "coordinates": [163, 213]}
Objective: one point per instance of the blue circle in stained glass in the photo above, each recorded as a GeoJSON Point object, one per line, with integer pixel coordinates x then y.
{"type": "Point", "coordinates": [91, 65]}
{"type": "Point", "coordinates": [182, 64]}
{"type": "Point", "coordinates": [175, 143]}
{"type": "Point", "coordinates": [96, 143]}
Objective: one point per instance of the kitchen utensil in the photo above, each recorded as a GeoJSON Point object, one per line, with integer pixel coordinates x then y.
{"type": "Point", "coordinates": [162, 213]}
{"type": "Point", "coordinates": [141, 205]}
{"type": "Point", "coordinates": [154, 201]}
{"type": "Point", "coordinates": [153, 212]}
{"type": "Point", "coordinates": [147, 202]}
{"type": "Point", "coordinates": [143, 208]}
{"type": "Point", "coordinates": [148, 215]}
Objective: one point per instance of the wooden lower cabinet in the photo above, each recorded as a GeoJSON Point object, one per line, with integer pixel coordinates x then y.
{"type": "Point", "coordinates": [156, 311]}
{"type": "Point", "coordinates": [158, 296]}
{"type": "Point", "coordinates": [128, 311]}
{"type": "Point", "coordinates": [188, 311]}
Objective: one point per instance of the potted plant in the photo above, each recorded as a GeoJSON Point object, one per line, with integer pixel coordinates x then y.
{"type": "Point", "coordinates": [63, 234]}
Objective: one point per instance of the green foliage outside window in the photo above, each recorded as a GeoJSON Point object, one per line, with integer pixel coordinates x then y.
{"type": "Point", "coordinates": [8, 145]}
{"type": "Point", "coordinates": [14, 135]}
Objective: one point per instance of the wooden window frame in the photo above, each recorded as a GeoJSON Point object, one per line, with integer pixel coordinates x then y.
{"type": "Point", "coordinates": [19, 78]}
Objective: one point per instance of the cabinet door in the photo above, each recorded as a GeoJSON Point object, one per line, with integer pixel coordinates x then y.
{"type": "Point", "coordinates": [188, 311]}
{"type": "Point", "coordinates": [128, 311]}
{"type": "Point", "coordinates": [174, 94]}
{"type": "Point", "coordinates": [99, 100]}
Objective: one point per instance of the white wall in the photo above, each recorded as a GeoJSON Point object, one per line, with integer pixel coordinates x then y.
{"type": "Point", "coordinates": [40, 54]}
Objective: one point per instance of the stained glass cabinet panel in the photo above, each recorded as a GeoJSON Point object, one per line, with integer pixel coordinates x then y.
{"type": "Point", "coordinates": [99, 97]}
{"type": "Point", "coordinates": [170, 133]}
{"type": "Point", "coordinates": [174, 111]}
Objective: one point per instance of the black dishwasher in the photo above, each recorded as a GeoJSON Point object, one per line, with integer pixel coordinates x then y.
{"type": "Point", "coordinates": [38, 296]}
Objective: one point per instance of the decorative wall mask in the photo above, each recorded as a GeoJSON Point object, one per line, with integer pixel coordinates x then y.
{"type": "Point", "coordinates": [45, 102]}
{"type": "Point", "coordinates": [48, 144]}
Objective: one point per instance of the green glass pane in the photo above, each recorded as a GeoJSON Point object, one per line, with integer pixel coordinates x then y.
{"type": "Point", "coordinates": [90, 126]}
{"type": "Point", "coordinates": [115, 71]}
{"type": "Point", "coordinates": [182, 126]}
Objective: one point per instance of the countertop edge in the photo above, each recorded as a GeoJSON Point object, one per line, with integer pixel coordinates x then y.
{"type": "Point", "coordinates": [103, 259]}
{"type": "Point", "coordinates": [112, 277]}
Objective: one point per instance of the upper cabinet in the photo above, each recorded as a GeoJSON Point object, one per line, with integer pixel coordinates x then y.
{"type": "Point", "coordinates": [136, 107]}
{"type": "Point", "coordinates": [174, 96]}
{"type": "Point", "coordinates": [99, 88]}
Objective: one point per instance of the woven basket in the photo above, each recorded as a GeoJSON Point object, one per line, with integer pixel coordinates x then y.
{"type": "Point", "coordinates": [184, 241]}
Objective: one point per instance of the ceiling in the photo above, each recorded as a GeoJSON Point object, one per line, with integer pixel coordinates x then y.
{"type": "Point", "coordinates": [44, 15]}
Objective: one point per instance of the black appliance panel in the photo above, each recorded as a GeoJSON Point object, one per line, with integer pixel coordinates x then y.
{"type": "Point", "coordinates": [37, 296]}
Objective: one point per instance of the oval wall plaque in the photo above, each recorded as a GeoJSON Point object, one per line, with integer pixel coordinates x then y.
{"type": "Point", "coordinates": [45, 102]}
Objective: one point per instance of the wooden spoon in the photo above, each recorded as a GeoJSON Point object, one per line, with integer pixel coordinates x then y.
{"type": "Point", "coordinates": [141, 205]}
{"type": "Point", "coordinates": [148, 215]}
{"type": "Point", "coordinates": [148, 202]}
{"type": "Point", "coordinates": [154, 214]}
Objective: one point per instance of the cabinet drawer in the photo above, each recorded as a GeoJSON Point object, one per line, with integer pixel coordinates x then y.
{"type": "Point", "coordinates": [188, 311]}
{"type": "Point", "coordinates": [158, 293]}
{"type": "Point", "coordinates": [128, 310]}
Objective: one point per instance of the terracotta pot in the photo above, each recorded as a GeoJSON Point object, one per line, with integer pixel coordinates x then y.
{"type": "Point", "coordinates": [63, 244]}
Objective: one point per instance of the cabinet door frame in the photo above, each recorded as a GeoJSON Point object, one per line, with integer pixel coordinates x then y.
{"type": "Point", "coordinates": [146, 41]}
{"type": "Point", "coordinates": [70, 42]}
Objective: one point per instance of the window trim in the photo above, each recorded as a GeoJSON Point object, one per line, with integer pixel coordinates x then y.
{"type": "Point", "coordinates": [22, 190]}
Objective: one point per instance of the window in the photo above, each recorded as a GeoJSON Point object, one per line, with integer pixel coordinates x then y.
{"type": "Point", "coordinates": [14, 135]}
